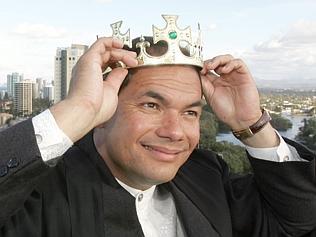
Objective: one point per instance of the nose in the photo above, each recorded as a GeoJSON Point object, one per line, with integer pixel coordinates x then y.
{"type": "Point", "coordinates": [171, 127]}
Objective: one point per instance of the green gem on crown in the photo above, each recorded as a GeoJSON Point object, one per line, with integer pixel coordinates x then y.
{"type": "Point", "coordinates": [173, 35]}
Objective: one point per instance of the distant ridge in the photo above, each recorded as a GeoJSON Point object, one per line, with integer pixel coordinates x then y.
{"type": "Point", "coordinates": [304, 84]}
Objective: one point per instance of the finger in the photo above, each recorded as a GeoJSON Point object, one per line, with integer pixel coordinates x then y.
{"type": "Point", "coordinates": [103, 44]}
{"type": "Point", "coordinates": [123, 52]}
{"type": "Point", "coordinates": [217, 61]}
{"type": "Point", "coordinates": [219, 70]}
{"type": "Point", "coordinates": [114, 55]}
{"type": "Point", "coordinates": [234, 65]}
{"type": "Point", "coordinates": [127, 57]}
{"type": "Point", "coordinates": [211, 76]}
{"type": "Point", "coordinates": [115, 78]}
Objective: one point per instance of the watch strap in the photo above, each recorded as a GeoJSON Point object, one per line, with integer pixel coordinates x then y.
{"type": "Point", "coordinates": [256, 127]}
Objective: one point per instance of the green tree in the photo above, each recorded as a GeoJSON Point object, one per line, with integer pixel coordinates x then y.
{"type": "Point", "coordinates": [235, 156]}
{"type": "Point", "coordinates": [40, 105]}
{"type": "Point", "coordinates": [280, 123]}
{"type": "Point", "coordinates": [307, 134]}
{"type": "Point", "coordinates": [208, 128]}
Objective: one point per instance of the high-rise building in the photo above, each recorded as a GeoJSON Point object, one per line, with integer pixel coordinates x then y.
{"type": "Point", "coordinates": [65, 60]}
{"type": "Point", "coordinates": [45, 83]}
{"type": "Point", "coordinates": [48, 92]}
{"type": "Point", "coordinates": [2, 94]}
{"type": "Point", "coordinates": [39, 83]}
{"type": "Point", "coordinates": [35, 91]}
{"type": "Point", "coordinates": [22, 102]}
{"type": "Point", "coordinates": [11, 79]}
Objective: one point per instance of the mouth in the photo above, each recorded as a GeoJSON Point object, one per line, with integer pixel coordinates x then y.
{"type": "Point", "coordinates": [162, 153]}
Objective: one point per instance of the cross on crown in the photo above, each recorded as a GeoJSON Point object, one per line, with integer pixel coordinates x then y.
{"type": "Point", "coordinates": [182, 50]}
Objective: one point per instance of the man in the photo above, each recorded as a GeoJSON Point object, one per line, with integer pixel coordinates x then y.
{"type": "Point", "coordinates": [138, 173]}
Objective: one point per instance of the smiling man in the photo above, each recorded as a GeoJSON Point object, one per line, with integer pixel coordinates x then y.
{"type": "Point", "coordinates": [134, 169]}
{"type": "Point", "coordinates": [162, 126]}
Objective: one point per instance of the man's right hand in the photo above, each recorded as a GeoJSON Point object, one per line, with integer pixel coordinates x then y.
{"type": "Point", "coordinates": [92, 101]}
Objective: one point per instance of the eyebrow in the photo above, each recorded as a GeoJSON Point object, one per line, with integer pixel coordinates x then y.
{"type": "Point", "coordinates": [154, 95]}
{"type": "Point", "coordinates": [159, 97]}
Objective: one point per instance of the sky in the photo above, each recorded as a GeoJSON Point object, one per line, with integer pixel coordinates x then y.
{"type": "Point", "coordinates": [276, 38]}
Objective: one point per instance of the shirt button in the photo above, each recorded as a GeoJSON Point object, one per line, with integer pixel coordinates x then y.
{"type": "Point", "coordinates": [12, 163]}
{"type": "Point", "coordinates": [39, 138]}
{"type": "Point", "coordinates": [140, 197]}
{"type": "Point", "coordinates": [286, 158]}
{"type": "Point", "coordinates": [3, 170]}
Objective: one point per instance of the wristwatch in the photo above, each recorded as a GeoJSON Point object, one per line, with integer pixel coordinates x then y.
{"type": "Point", "coordinates": [256, 127]}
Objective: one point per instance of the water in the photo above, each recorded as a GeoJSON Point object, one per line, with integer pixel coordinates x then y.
{"type": "Point", "coordinates": [297, 121]}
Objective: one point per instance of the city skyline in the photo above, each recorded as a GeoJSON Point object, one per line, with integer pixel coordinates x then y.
{"type": "Point", "coordinates": [277, 39]}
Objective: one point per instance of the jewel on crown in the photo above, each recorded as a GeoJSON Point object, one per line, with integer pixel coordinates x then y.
{"type": "Point", "coordinates": [181, 48]}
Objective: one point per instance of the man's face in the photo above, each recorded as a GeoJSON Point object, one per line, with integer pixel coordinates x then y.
{"type": "Point", "coordinates": [155, 127]}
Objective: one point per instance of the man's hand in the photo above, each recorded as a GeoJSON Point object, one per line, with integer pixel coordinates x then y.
{"type": "Point", "coordinates": [234, 98]}
{"type": "Point", "coordinates": [92, 101]}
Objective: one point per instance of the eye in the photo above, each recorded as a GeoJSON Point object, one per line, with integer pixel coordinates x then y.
{"type": "Point", "coordinates": [151, 105]}
{"type": "Point", "coordinates": [192, 113]}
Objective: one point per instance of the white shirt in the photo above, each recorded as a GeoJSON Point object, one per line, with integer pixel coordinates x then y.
{"type": "Point", "coordinates": [157, 214]}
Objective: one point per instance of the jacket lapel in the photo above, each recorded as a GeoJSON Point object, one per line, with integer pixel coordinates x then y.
{"type": "Point", "coordinates": [99, 206]}
{"type": "Point", "coordinates": [193, 221]}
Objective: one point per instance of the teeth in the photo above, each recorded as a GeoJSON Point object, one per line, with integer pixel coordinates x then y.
{"type": "Point", "coordinates": [148, 148]}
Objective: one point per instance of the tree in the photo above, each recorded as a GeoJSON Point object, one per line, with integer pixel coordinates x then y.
{"type": "Point", "coordinates": [6, 96]}
{"type": "Point", "coordinates": [40, 105]}
{"type": "Point", "coordinates": [208, 128]}
{"type": "Point", "coordinates": [234, 155]}
{"type": "Point", "coordinates": [307, 134]}
{"type": "Point", "coordinates": [280, 123]}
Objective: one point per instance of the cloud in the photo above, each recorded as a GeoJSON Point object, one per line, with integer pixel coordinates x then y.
{"type": "Point", "coordinates": [302, 32]}
{"type": "Point", "coordinates": [287, 55]}
{"type": "Point", "coordinates": [39, 31]}
{"type": "Point", "coordinates": [30, 48]}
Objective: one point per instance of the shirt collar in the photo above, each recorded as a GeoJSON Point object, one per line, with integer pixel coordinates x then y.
{"type": "Point", "coordinates": [148, 193]}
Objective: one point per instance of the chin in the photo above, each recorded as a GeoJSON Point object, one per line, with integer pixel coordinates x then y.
{"type": "Point", "coordinates": [163, 177]}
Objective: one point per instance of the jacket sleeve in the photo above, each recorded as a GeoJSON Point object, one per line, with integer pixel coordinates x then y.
{"type": "Point", "coordinates": [278, 200]}
{"type": "Point", "coordinates": [21, 167]}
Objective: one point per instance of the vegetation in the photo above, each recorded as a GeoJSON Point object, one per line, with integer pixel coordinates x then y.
{"type": "Point", "coordinates": [234, 155]}
{"type": "Point", "coordinates": [280, 123]}
{"type": "Point", "coordinates": [208, 129]}
{"type": "Point", "coordinates": [307, 134]}
{"type": "Point", "coordinates": [40, 105]}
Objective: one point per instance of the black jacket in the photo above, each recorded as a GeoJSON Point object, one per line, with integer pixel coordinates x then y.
{"type": "Point", "coordinates": [80, 197]}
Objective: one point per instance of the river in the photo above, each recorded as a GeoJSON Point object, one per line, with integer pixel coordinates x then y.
{"type": "Point", "coordinates": [297, 121]}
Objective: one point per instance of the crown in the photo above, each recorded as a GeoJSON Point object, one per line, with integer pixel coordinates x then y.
{"type": "Point", "coordinates": [181, 48]}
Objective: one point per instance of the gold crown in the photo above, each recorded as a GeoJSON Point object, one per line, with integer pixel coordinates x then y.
{"type": "Point", "coordinates": [181, 48]}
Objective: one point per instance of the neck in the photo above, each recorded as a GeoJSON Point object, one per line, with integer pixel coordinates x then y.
{"type": "Point", "coordinates": [114, 167]}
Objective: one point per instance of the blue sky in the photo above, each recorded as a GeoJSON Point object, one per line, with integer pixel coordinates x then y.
{"type": "Point", "coordinates": [277, 39]}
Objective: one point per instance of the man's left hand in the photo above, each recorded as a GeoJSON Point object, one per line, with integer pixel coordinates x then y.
{"type": "Point", "coordinates": [232, 94]}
